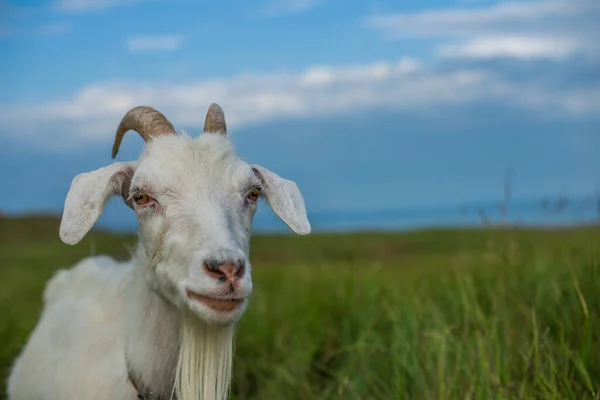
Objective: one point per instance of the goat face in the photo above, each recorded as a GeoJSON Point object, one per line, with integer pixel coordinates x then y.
{"type": "Point", "coordinates": [195, 200]}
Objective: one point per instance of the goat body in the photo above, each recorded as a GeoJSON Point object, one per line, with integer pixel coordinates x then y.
{"type": "Point", "coordinates": [77, 350]}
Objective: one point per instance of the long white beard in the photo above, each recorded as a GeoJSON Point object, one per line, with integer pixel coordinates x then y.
{"type": "Point", "coordinates": [205, 359]}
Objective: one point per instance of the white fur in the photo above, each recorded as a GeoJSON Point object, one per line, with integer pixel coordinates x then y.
{"type": "Point", "coordinates": [101, 316]}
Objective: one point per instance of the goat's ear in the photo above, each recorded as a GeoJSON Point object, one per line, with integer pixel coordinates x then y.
{"type": "Point", "coordinates": [88, 195]}
{"type": "Point", "coordinates": [285, 199]}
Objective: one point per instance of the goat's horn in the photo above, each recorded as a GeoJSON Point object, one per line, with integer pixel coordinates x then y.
{"type": "Point", "coordinates": [215, 120]}
{"type": "Point", "coordinates": [146, 121]}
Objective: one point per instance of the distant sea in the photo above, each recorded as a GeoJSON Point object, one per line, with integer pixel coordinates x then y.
{"type": "Point", "coordinates": [533, 212]}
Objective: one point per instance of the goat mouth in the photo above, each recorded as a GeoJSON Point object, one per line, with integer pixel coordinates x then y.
{"type": "Point", "coordinates": [221, 305]}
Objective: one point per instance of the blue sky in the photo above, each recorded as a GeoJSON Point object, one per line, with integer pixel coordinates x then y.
{"type": "Point", "coordinates": [368, 105]}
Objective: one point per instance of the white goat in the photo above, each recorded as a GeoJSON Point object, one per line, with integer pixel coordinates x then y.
{"type": "Point", "coordinates": [161, 325]}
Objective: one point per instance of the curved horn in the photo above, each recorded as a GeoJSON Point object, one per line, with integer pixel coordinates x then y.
{"type": "Point", "coordinates": [215, 120]}
{"type": "Point", "coordinates": [146, 121]}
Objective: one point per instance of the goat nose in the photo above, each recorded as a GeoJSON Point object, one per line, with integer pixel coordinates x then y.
{"type": "Point", "coordinates": [230, 270]}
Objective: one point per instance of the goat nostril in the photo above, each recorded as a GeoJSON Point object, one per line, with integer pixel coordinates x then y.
{"type": "Point", "coordinates": [241, 268]}
{"type": "Point", "coordinates": [212, 265]}
{"type": "Point", "coordinates": [213, 269]}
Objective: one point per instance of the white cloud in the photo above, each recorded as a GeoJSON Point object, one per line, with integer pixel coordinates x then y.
{"type": "Point", "coordinates": [549, 29]}
{"type": "Point", "coordinates": [93, 5]}
{"type": "Point", "coordinates": [154, 43]}
{"type": "Point", "coordinates": [497, 18]}
{"type": "Point", "coordinates": [518, 47]}
{"type": "Point", "coordinates": [276, 8]}
{"type": "Point", "coordinates": [91, 114]}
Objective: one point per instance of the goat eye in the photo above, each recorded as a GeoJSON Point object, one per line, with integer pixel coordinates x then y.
{"type": "Point", "coordinates": [141, 199]}
{"type": "Point", "coordinates": [253, 195]}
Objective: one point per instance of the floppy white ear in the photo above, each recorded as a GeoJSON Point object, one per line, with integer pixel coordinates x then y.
{"type": "Point", "coordinates": [88, 195]}
{"type": "Point", "coordinates": [285, 199]}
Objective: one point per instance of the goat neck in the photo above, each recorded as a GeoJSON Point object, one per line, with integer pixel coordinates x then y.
{"type": "Point", "coordinates": [152, 338]}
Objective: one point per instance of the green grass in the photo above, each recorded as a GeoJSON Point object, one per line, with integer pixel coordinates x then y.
{"type": "Point", "coordinates": [436, 314]}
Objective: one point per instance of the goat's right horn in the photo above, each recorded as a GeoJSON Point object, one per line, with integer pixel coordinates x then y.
{"type": "Point", "coordinates": [215, 120]}
{"type": "Point", "coordinates": [146, 121]}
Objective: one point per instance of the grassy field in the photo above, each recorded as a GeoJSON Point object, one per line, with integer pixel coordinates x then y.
{"type": "Point", "coordinates": [436, 314]}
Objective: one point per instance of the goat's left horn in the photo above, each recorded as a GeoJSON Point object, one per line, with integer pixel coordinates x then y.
{"type": "Point", "coordinates": [146, 121]}
{"type": "Point", "coordinates": [215, 120]}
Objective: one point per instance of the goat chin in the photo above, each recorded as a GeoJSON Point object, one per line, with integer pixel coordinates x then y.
{"type": "Point", "coordinates": [205, 360]}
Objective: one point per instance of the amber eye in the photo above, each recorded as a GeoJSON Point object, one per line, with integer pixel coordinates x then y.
{"type": "Point", "coordinates": [141, 199]}
{"type": "Point", "coordinates": [253, 195]}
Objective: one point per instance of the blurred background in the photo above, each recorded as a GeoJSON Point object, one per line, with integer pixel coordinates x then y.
{"type": "Point", "coordinates": [409, 126]}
